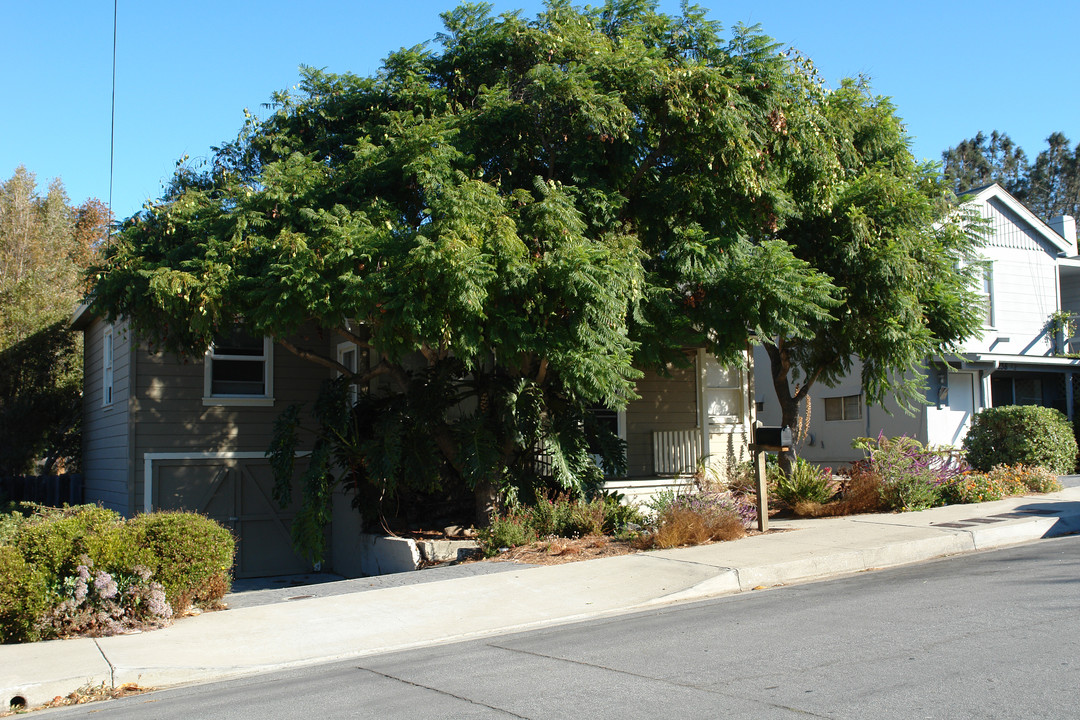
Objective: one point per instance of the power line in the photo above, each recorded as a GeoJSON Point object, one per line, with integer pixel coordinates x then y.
{"type": "Point", "coordinates": [112, 119]}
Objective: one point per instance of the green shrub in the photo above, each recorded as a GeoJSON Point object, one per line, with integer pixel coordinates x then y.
{"type": "Point", "coordinates": [189, 554]}
{"type": "Point", "coordinates": [22, 597]}
{"type": "Point", "coordinates": [1021, 434]}
{"type": "Point", "coordinates": [54, 540]}
{"type": "Point", "coordinates": [808, 483]}
{"type": "Point", "coordinates": [619, 516]}
{"type": "Point", "coordinates": [506, 531]}
{"type": "Point", "coordinates": [86, 570]}
{"type": "Point", "coordinates": [911, 476]}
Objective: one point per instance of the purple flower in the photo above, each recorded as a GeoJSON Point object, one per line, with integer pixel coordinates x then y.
{"type": "Point", "coordinates": [105, 585]}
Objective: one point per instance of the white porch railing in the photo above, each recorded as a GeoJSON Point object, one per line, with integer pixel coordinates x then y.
{"type": "Point", "coordinates": [676, 452]}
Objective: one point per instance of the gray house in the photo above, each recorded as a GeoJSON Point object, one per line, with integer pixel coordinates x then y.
{"type": "Point", "coordinates": [163, 433]}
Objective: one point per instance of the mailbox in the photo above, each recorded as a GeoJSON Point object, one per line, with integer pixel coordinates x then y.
{"type": "Point", "coordinates": [772, 438]}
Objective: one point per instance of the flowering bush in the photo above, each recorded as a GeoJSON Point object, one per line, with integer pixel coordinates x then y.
{"type": "Point", "coordinates": [1001, 481]}
{"type": "Point", "coordinates": [98, 603]}
{"type": "Point", "coordinates": [910, 474]}
{"type": "Point", "coordinates": [87, 570]}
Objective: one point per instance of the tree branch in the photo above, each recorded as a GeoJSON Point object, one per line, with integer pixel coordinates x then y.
{"type": "Point", "coordinates": [314, 357]}
{"type": "Point", "coordinates": [353, 337]}
{"type": "Point", "coordinates": [541, 374]}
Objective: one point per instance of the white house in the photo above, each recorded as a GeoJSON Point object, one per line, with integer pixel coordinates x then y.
{"type": "Point", "coordinates": [1032, 277]}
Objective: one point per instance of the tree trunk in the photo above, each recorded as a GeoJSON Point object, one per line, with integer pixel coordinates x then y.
{"type": "Point", "coordinates": [486, 495]}
{"type": "Point", "coordinates": [780, 366]}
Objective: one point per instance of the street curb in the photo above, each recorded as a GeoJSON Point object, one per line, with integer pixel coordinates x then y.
{"type": "Point", "coordinates": [218, 646]}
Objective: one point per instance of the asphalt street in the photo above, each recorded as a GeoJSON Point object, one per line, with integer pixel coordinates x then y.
{"type": "Point", "coordinates": [988, 635]}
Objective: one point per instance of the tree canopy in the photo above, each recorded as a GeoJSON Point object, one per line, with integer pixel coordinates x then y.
{"type": "Point", "coordinates": [45, 244]}
{"type": "Point", "coordinates": [539, 208]}
{"type": "Point", "coordinates": [1049, 187]}
{"type": "Point", "coordinates": [895, 246]}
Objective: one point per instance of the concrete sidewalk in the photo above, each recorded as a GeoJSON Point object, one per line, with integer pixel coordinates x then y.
{"type": "Point", "coordinates": [343, 623]}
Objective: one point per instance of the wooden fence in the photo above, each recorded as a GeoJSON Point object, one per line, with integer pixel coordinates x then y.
{"type": "Point", "coordinates": [51, 490]}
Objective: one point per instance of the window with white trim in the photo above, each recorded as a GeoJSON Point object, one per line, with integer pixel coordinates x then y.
{"type": "Point", "coordinates": [239, 370]}
{"type": "Point", "coordinates": [986, 294]}
{"type": "Point", "coordinates": [349, 356]}
{"type": "Point", "coordinates": [107, 367]}
{"type": "Point", "coordinates": [724, 393]}
{"type": "Point", "coordinates": [843, 407]}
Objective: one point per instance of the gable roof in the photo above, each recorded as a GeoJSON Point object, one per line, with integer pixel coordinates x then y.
{"type": "Point", "coordinates": [1047, 233]}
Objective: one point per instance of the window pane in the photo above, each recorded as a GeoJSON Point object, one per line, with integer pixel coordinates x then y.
{"type": "Point", "coordinates": [237, 377]}
{"type": "Point", "coordinates": [852, 408]}
{"type": "Point", "coordinates": [717, 376]}
{"type": "Point", "coordinates": [834, 408]}
{"type": "Point", "coordinates": [725, 406]}
{"type": "Point", "coordinates": [238, 343]}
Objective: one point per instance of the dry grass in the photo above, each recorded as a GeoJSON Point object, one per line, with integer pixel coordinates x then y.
{"type": "Point", "coordinates": [860, 493]}
{"type": "Point", "coordinates": [85, 694]}
{"type": "Point", "coordinates": [679, 527]}
{"type": "Point", "coordinates": [556, 550]}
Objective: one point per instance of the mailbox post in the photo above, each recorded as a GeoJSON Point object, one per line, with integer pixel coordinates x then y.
{"type": "Point", "coordinates": [776, 439]}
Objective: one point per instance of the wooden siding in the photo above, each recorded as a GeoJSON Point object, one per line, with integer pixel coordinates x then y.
{"type": "Point", "coordinates": [1025, 286]}
{"type": "Point", "coordinates": [106, 428]}
{"type": "Point", "coordinates": [170, 416]}
{"type": "Point", "coordinates": [666, 403]}
{"type": "Point", "coordinates": [1009, 230]}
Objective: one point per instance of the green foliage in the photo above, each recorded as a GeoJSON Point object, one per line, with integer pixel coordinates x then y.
{"type": "Point", "coordinates": [884, 234]}
{"type": "Point", "coordinates": [41, 401]}
{"type": "Point", "coordinates": [44, 246]}
{"type": "Point", "coordinates": [981, 160]}
{"type": "Point", "coordinates": [22, 597]}
{"type": "Point", "coordinates": [1049, 187]}
{"type": "Point", "coordinates": [910, 476]}
{"type": "Point", "coordinates": [806, 483]}
{"type": "Point", "coordinates": [561, 516]}
{"type": "Point", "coordinates": [1026, 434]}
{"type": "Point", "coordinates": [85, 569]}
{"type": "Point", "coordinates": [506, 530]}
{"type": "Point", "coordinates": [533, 209]}
{"type": "Point", "coordinates": [189, 554]}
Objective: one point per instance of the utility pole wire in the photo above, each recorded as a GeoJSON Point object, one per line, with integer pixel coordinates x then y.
{"type": "Point", "coordinates": [112, 121]}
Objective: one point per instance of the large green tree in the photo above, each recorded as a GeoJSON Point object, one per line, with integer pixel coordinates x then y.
{"type": "Point", "coordinates": [537, 209]}
{"type": "Point", "coordinates": [45, 245]}
{"type": "Point", "coordinates": [890, 237]}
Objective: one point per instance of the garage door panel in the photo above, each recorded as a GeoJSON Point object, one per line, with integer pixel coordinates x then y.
{"type": "Point", "coordinates": [238, 493]}
{"type": "Point", "coordinates": [207, 488]}
{"type": "Point", "coordinates": [257, 491]}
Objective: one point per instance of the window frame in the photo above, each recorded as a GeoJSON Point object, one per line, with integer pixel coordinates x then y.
{"type": "Point", "coordinates": [265, 399]}
{"type": "Point", "coordinates": [108, 367]}
{"type": "Point", "coordinates": [733, 387]}
{"type": "Point", "coordinates": [987, 291]}
{"type": "Point", "coordinates": [844, 403]}
{"type": "Point", "coordinates": [344, 348]}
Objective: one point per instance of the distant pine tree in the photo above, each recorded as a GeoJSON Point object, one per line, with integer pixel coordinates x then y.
{"type": "Point", "coordinates": [982, 160]}
{"type": "Point", "coordinates": [1049, 187]}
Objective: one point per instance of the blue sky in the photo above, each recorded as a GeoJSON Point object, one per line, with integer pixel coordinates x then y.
{"type": "Point", "coordinates": [186, 71]}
